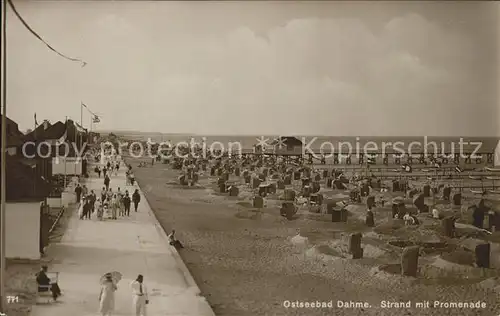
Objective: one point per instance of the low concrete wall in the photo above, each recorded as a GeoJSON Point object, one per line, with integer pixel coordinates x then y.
{"type": "Point", "coordinates": [68, 198]}
{"type": "Point", "coordinates": [72, 166]}
{"type": "Point", "coordinates": [22, 240]}
{"type": "Point", "coordinates": [54, 202]}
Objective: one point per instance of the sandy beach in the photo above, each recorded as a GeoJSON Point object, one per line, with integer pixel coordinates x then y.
{"type": "Point", "coordinates": [245, 264]}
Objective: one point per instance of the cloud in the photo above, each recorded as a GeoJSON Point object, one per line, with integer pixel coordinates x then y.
{"type": "Point", "coordinates": [321, 76]}
{"type": "Point", "coordinates": [314, 67]}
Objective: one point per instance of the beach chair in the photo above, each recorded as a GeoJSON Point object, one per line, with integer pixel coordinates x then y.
{"type": "Point", "coordinates": [44, 294]}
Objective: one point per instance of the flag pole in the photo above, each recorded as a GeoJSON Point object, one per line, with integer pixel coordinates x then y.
{"type": "Point", "coordinates": [65, 156]}
{"type": "Point", "coordinates": [36, 143]}
{"type": "Point", "coordinates": [90, 140]}
{"type": "Point", "coordinates": [75, 144]}
{"type": "Point", "coordinates": [81, 125]}
{"type": "Point", "coordinates": [3, 299]}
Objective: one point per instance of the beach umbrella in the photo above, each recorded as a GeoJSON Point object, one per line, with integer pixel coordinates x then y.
{"type": "Point", "coordinates": [115, 276]}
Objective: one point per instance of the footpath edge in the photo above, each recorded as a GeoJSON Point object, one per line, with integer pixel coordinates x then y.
{"type": "Point", "coordinates": [180, 263]}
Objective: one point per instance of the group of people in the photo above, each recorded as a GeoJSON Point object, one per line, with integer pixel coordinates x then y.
{"type": "Point", "coordinates": [117, 203]}
{"type": "Point", "coordinates": [87, 201]}
{"type": "Point", "coordinates": [113, 203]}
{"type": "Point", "coordinates": [108, 169]}
{"type": "Point", "coordinates": [107, 295]}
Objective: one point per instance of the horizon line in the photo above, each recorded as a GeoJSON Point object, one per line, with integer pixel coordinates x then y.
{"type": "Point", "coordinates": [282, 135]}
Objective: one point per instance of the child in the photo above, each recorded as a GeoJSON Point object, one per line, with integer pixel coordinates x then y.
{"type": "Point", "coordinates": [127, 179]}
{"type": "Point", "coordinates": [100, 209]}
{"type": "Point", "coordinates": [80, 209]}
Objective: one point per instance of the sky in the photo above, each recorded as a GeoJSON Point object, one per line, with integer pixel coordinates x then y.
{"type": "Point", "coordinates": [281, 68]}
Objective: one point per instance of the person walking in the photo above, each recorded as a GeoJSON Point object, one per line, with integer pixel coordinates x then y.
{"type": "Point", "coordinates": [117, 167]}
{"type": "Point", "coordinates": [119, 197]}
{"type": "Point", "coordinates": [140, 296]}
{"type": "Point", "coordinates": [104, 194]}
{"type": "Point", "coordinates": [136, 198]}
{"type": "Point", "coordinates": [107, 207]}
{"type": "Point", "coordinates": [107, 180]}
{"type": "Point", "coordinates": [85, 190]}
{"type": "Point", "coordinates": [127, 178]}
{"type": "Point", "coordinates": [100, 210]}
{"type": "Point", "coordinates": [126, 203]}
{"type": "Point", "coordinates": [107, 296]}
{"type": "Point", "coordinates": [78, 192]}
{"type": "Point", "coordinates": [81, 209]}
{"type": "Point", "coordinates": [93, 198]}
{"type": "Point", "coordinates": [114, 207]}
{"type": "Point", "coordinates": [98, 171]}
{"type": "Point", "coordinates": [110, 194]}
{"type": "Point", "coordinates": [87, 207]}
{"type": "Point", "coordinates": [104, 171]}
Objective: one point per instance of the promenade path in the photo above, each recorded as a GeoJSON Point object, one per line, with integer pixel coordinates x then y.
{"type": "Point", "coordinates": [132, 246]}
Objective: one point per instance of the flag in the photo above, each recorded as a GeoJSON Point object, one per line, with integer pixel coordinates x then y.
{"type": "Point", "coordinates": [96, 119]}
{"type": "Point", "coordinates": [458, 169]}
{"type": "Point", "coordinates": [36, 123]}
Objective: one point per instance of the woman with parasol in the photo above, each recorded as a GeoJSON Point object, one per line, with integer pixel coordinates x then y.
{"type": "Point", "coordinates": [107, 294]}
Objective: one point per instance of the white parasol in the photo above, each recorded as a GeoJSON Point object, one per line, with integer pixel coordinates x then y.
{"type": "Point", "coordinates": [115, 276]}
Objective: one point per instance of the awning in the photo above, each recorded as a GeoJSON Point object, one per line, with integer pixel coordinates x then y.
{"type": "Point", "coordinates": [59, 141]}
{"type": "Point", "coordinates": [80, 128]}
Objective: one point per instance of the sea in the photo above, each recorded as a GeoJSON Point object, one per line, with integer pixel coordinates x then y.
{"type": "Point", "coordinates": [450, 144]}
